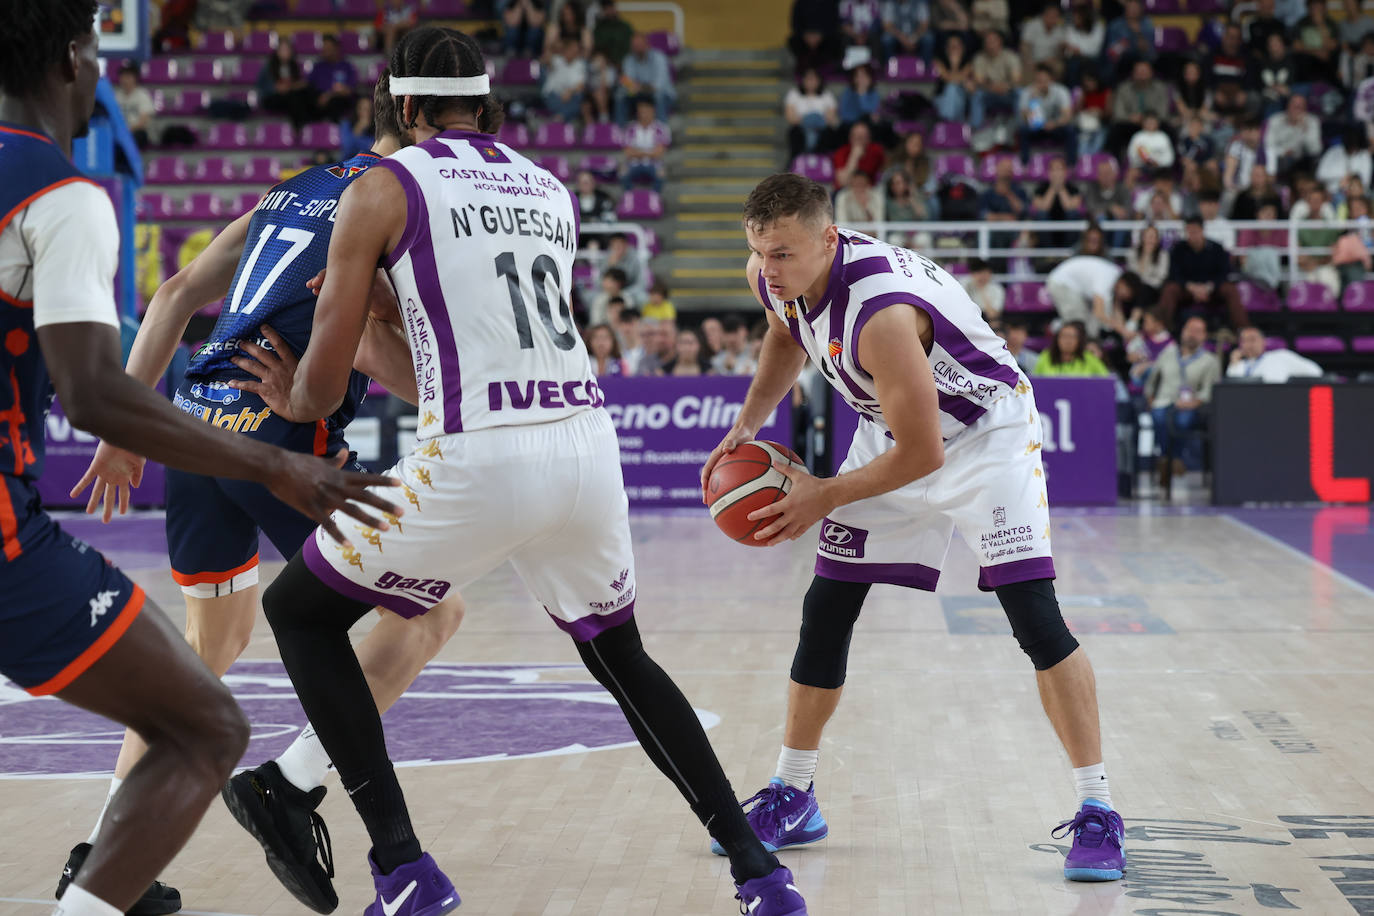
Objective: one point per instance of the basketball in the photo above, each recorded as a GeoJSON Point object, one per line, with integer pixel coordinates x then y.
{"type": "Point", "coordinates": [745, 480]}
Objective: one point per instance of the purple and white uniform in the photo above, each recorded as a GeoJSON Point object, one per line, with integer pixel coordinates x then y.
{"type": "Point", "coordinates": [516, 459]}
{"type": "Point", "coordinates": [991, 487]}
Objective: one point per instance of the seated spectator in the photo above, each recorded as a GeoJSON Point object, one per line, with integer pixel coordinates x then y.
{"type": "Point", "coordinates": [955, 85]}
{"type": "Point", "coordinates": [859, 154]}
{"type": "Point", "coordinates": [996, 74]}
{"type": "Point", "coordinates": [334, 80]}
{"type": "Point", "coordinates": [594, 204]}
{"type": "Point", "coordinates": [646, 148]}
{"type": "Point", "coordinates": [713, 332]}
{"type": "Point", "coordinates": [1229, 69]}
{"type": "Point", "coordinates": [1274, 74]}
{"type": "Point", "coordinates": [861, 24]}
{"type": "Point", "coordinates": [1349, 157]}
{"type": "Point", "coordinates": [906, 29]}
{"type": "Point", "coordinates": [1314, 205]}
{"type": "Point", "coordinates": [690, 356]}
{"type": "Point", "coordinates": [645, 72]}
{"type": "Point", "coordinates": [627, 332]}
{"type": "Point", "coordinates": [1108, 197]}
{"type": "Point", "coordinates": [1130, 38]}
{"type": "Point", "coordinates": [523, 22]}
{"type": "Point", "coordinates": [1196, 145]}
{"type": "Point", "coordinates": [1317, 46]}
{"type": "Point", "coordinates": [986, 293]}
{"type": "Point", "coordinates": [733, 357]}
{"type": "Point", "coordinates": [1091, 119]}
{"type": "Point", "coordinates": [1043, 38]}
{"type": "Point", "coordinates": [1056, 198]}
{"type": "Point", "coordinates": [1242, 155]}
{"type": "Point", "coordinates": [1355, 24]}
{"type": "Point", "coordinates": [813, 114]}
{"type": "Point", "coordinates": [1083, 42]}
{"type": "Point", "coordinates": [619, 254]}
{"type": "Point", "coordinates": [1357, 64]}
{"type": "Point", "coordinates": [1192, 96]}
{"type": "Point", "coordinates": [859, 201]}
{"type": "Point", "coordinates": [1143, 349]}
{"type": "Point", "coordinates": [571, 25]}
{"type": "Point", "coordinates": [1260, 190]}
{"type": "Point", "coordinates": [1199, 279]}
{"type": "Point", "coordinates": [1132, 101]}
{"type": "Point", "coordinates": [394, 20]}
{"type": "Point", "coordinates": [947, 16]}
{"type": "Point", "coordinates": [815, 39]}
{"type": "Point", "coordinates": [1005, 201]}
{"type": "Point", "coordinates": [861, 102]}
{"type": "Point", "coordinates": [658, 306]}
{"type": "Point", "coordinates": [1151, 147]}
{"type": "Point", "coordinates": [990, 14]}
{"type": "Point", "coordinates": [135, 103]}
{"type": "Point", "coordinates": [565, 82]}
{"type": "Point", "coordinates": [1014, 332]}
{"type": "Point", "coordinates": [1092, 241]}
{"type": "Point", "coordinates": [1292, 139]}
{"type": "Point", "coordinates": [899, 204]}
{"type": "Point", "coordinates": [613, 283]}
{"type": "Point", "coordinates": [1161, 186]}
{"type": "Point", "coordinates": [1251, 359]}
{"type": "Point", "coordinates": [611, 35]}
{"type": "Point", "coordinates": [602, 80]}
{"type": "Point", "coordinates": [660, 345]}
{"type": "Point", "coordinates": [1046, 114]}
{"type": "Point", "coordinates": [1261, 250]}
{"type": "Point", "coordinates": [358, 133]}
{"type": "Point", "coordinates": [1215, 226]}
{"type": "Point", "coordinates": [1149, 260]}
{"type": "Point", "coordinates": [913, 159]}
{"type": "Point", "coordinates": [1081, 288]}
{"type": "Point", "coordinates": [282, 87]}
{"type": "Point", "coordinates": [1179, 388]}
{"type": "Point", "coordinates": [1069, 355]}
{"type": "Point", "coordinates": [1260, 25]}
{"type": "Point", "coordinates": [1350, 255]}
{"type": "Point", "coordinates": [604, 351]}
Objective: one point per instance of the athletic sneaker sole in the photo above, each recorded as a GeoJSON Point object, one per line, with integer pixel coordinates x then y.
{"type": "Point", "coordinates": [1093, 874]}
{"type": "Point", "coordinates": [255, 820]}
{"type": "Point", "coordinates": [434, 909]}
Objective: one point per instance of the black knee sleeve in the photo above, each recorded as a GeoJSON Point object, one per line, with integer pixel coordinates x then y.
{"type": "Point", "coordinates": [828, 615]}
{"type": "Point", "coordinates": [1036, 621]}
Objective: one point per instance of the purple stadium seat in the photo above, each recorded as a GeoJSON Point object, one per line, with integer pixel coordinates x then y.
{"type": "Point", "coordinates": [1167, 7]}
{"type": "Point", "coordinates": [245, 202]}
{"type": "Point", "coordinates": [949, 135]}
{"type": "Point", "coordinates": [274, 136]}
{"type": "Point", "coordinates": [320, 136]}
{"type": "Point", "coordinates": [905, 69]}
{"type": "Point", "coordinates": [557, 166]}
{"type": "Point", "coordinates": [1256, 298]}
{"type": "Point", "coordinates": [1171, 38]}
{"type": "Point", "coordinates": [154, 207]}
{"type": "Point", "coordinates": [667, 42]}
{"type": "Point", "coordinates": [987, 169]}
{"type": "Point", "coordinates": [445, 9]}
{"type": "Point", "coordinates": [260, 170]}
{"type": "Point", "coordinates": [1038, 169]}
{"type": "Point", "coordinates": [355, 42]}
{"type": "Point", "coordinates": [554, 135]}
{"type": "Point", "coordinates": [1311, 297]}
{"type": "Point", "coordinates": [203, 71]}
{"type": "Point", "coordinates": [514, 134]}
{"type": "Point", "coordinates": [1359, 296]}
{"type": "Point", "coordinates": [214, 170]}
{"type": "Point", "coordinates": [604, 167]}
{"type": "Point", "coordinates": [308, 43]}
{"type": "Point", "coordinates": [640, 203]}
{"type": "Point", "coordinates": [219, 41]}
{"type": "Point", "coordinates": [1363, 344]}
{"type": "Point", "coordinates": [954, 164]}
{"type": "Point", "coordinates": [1085, 169]}
{"type": "Point", "coordinates": [203, 207]}
{"type": "Point", "coordinates": [602, 136]}
{"type": "Point", "coordinates": [160, 71]}
{"type": "Point", "coordinates": [168, 103]}
{"type": "Point", "coordinates": [1028, 297]}
{"type": "Point", "coordinates": [315, 9]}
{"type": "Point", "coordinates": [520, 72]}
{"type": "Point", "coordinates": [1318, 343]}
{"type": "Point", "coordinates": [225, 136]}
{"type": "Point", "coordinates": [817, 168]}
{"type": "Point", "coordinates": [258, 44]}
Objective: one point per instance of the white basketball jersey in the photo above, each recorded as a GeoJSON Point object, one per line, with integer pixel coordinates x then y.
{"type": "Point", "coordinates": [483, 274]}
{"type": "Point", "coordinates": [971, 363]}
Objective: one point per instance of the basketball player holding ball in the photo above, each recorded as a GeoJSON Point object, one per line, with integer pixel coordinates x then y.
{"type": "Point", "coordinates": [949, 439]}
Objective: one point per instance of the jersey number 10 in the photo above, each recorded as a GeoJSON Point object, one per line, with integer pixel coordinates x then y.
{"type": "Point", "coordinates": [544, 268]}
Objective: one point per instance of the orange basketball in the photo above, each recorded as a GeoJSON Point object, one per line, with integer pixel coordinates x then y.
{"type": "Point", "coordinates": [745, 480]}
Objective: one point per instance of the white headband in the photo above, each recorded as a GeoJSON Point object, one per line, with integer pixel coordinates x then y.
{"type": "Point", "coordinates": [440, 85]}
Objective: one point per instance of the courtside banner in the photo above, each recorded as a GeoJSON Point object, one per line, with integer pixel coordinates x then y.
{"type": "Point", "coordinates": [668, 426]}
{"type": "Point", "coordinates": [1078, 443]}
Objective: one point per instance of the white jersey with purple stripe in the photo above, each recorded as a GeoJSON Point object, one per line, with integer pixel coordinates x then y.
{"type": "Point", "coordinates": [971, 363]}
{"type": "Point", "coordinates": [483, 274]}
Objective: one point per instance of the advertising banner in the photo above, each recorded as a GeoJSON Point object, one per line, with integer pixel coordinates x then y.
{"type": "Point", "coordinates": [668, 427]}
{"type": "Point", "coordinates": [1078, 416]}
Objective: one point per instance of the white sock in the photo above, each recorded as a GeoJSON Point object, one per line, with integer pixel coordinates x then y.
{"type": "Point", "coordinates": [78, 902]}
{"type": "Point", "coordinates": [1091, 782]}
{"type": "Point", "coordinates": [797, 768]}
{"type": "Point", "coordinates": [115, 783]}
{"type": "Point", "coordinates": [304, 763]}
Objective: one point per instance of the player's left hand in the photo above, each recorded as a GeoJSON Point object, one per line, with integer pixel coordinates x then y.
{"type": "Point", "coordinates": [275, 371]}
{"type": "Point", "coordinates": [807, 502]}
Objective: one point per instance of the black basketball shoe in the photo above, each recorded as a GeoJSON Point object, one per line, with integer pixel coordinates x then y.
{"type": "Point", "coordinates": [157, 900]}
{"type": "Point", "coordinates": [283, 820]}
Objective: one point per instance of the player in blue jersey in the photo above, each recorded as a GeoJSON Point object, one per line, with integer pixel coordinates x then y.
{"type": "Point", "coordinates": [71, 624]}
{"type": "Point", "coordinates": [260, 265]}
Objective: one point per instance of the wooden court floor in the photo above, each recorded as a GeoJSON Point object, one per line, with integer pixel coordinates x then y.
{"type": "Point", "coordinates": [1235, 663]}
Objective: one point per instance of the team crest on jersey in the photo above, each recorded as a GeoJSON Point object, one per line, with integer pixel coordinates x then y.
{"type": "Point", "coordinates": [489, 151]}
{"type": "Point", "coordinates": [789, 308]}
{"type": "Point", "coordinates": [346, 171]}
{"type": "Point", "coordinates": [836, 347]}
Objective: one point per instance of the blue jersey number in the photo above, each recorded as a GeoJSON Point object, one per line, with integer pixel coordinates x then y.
{"type": "Point", "coordinates": [299, 239]}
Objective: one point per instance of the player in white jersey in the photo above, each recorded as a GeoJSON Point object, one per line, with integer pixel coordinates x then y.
{"type": "Point", "coordinates": [516, 460]}
{"type": "Point", "coordinates": [949, 439]}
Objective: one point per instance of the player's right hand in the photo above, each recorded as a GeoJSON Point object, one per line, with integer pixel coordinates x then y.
{"type": "Point", "coordinates": [112, 474]}
{"type": "Point", "coordinates": [317, 488]}
{"type": "Point", "coordinates": [736, 437]}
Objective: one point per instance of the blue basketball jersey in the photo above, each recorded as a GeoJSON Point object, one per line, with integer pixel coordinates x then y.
{"type": "Point", "coordinates": [288, 244]}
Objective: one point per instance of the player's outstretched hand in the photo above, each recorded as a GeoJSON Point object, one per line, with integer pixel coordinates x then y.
{"type": "Point", "coordinates": [112, 474]}
{"type": "Point", "coordinates": [736, 437]}
{"type": "Point", "coordinates": [317, 487]}
{"type": "Point", "coordinates": [275, 371]}
{"type": "Point", "coordinates": [807, 502]}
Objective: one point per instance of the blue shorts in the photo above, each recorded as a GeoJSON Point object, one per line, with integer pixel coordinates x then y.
{"type": "Point", "coordinates": [64, 605]}
{"type": "Point", "coordinates": [213, 522]}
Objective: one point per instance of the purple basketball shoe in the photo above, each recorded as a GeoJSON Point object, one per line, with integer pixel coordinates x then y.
{"type": "Point", "coordinates": [417, 888]}
{"type": "Point", "coordinates": [1096, 854]}
{"type": "Point", "coordinates": [783, 816]}
{"type": "Point", "coordinates": [772, 895]}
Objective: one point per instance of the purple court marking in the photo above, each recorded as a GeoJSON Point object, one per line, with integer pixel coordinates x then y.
{"type": "Point", "coordinates": [1340, 538]}
{"type": "Point", "coordinates": [453, 713]}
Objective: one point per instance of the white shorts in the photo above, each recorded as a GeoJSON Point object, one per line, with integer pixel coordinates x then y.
{"type": "Point", "coordinates": [991, 488]}
{"type": "Point", "coordinates": [549, 498]}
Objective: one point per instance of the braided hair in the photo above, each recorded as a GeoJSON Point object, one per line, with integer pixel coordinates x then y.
{"type": "Point", "coordinates": [34, 39]}
{"type": "Point", "coordinates": [438, 52]}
